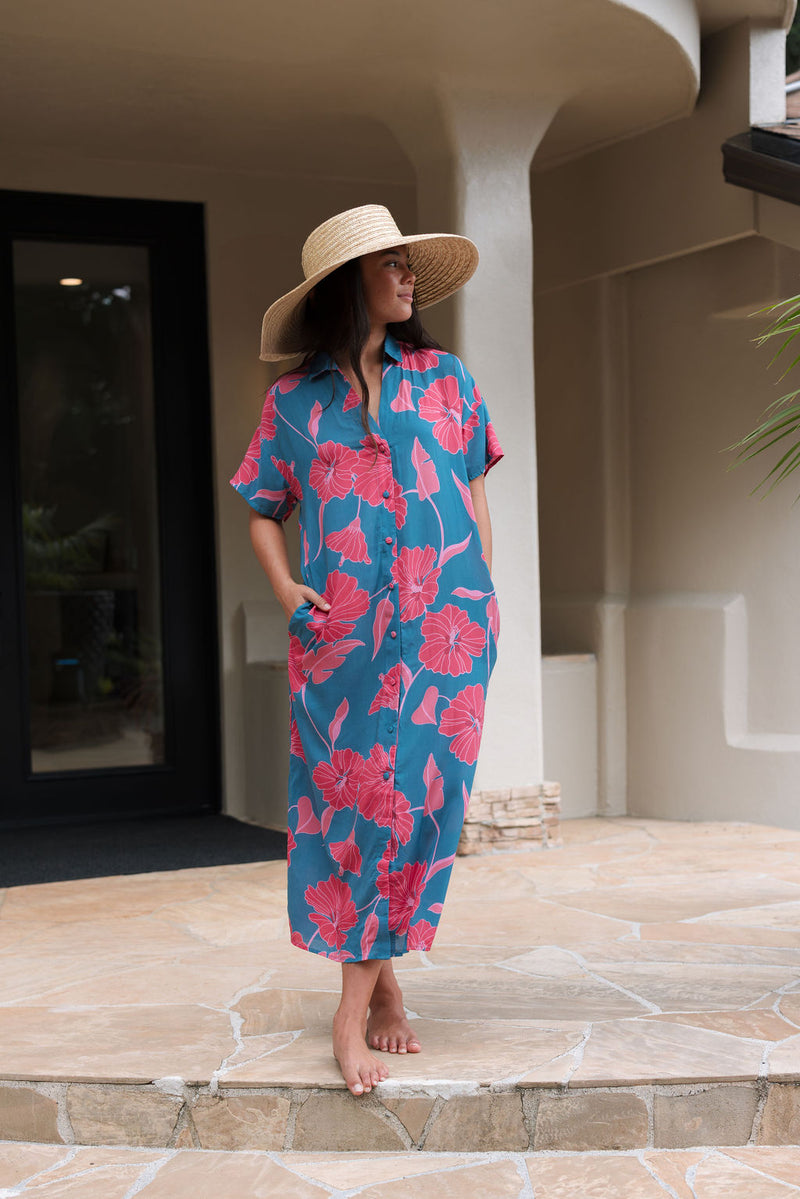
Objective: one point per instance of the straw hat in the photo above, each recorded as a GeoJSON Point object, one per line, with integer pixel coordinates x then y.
{"type": "Point", "coordinates": [442, 262]}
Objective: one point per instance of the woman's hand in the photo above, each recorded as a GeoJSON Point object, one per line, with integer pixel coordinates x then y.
{"type": "Point", "coordinates": [269, 543]}
{"type": "Point", "coordinates": [291, 595]}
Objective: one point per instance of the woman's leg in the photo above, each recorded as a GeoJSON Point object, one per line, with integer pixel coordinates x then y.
{"type": "Point", "coordinates": [360, 1070]}
{"type": "Point", "coordinates": [387, 1028]}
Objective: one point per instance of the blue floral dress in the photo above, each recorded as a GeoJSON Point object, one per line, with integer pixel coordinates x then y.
{"type": "Point", "coordinates": [388, 686]}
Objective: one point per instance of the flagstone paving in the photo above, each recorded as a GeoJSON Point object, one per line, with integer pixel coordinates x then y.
{"type": "Point", "coordinates": [58, 1172]}
{"type": "Point", "coordinates": [636, 990]}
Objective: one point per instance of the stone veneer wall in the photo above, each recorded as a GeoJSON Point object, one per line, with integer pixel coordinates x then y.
{"type": "Point", "coordinates": [512, 818]}
{"type": "Point", "coordinates": [306, 1119]}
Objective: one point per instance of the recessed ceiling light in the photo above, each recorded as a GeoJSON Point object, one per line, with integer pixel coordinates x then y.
{"type": "Point", "coordinates": [70, 282]}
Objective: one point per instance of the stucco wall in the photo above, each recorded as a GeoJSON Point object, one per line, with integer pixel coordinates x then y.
{"type": "Point", "coordinates": [710, 649]}
{"type": "Point", "coordinates": [255, 227]}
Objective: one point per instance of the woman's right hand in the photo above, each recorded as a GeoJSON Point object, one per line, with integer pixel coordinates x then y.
{"type": "Point", "coordinates": [294, 594]}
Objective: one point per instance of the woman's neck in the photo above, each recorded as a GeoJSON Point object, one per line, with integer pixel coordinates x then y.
{"type": "Point", "coordinates": [371, 354]}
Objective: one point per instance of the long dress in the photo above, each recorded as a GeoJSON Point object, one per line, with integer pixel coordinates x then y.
{"type": "Point", "coordinates": [388, 686]}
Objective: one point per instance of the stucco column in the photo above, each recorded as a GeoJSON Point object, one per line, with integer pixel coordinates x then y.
{"type": "Point", "coordinates": [473, 154]}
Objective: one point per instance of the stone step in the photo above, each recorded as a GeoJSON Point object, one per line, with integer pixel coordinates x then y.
{"type": "Point", "coordinates": [54, 1172]}
{"type": "Point", "coordinates": [636, 989]}
{"type": "Point", "coordinates": [395, 1118]}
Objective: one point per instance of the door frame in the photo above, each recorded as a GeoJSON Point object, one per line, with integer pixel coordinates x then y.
{"type": "Point", "coordinates": [189, 780]}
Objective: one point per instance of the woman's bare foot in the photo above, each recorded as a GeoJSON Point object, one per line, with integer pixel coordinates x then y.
{"type": "Point", "coordinates": [387, 1026]}
{"type": "Point", "coordinates": [360, 1070]}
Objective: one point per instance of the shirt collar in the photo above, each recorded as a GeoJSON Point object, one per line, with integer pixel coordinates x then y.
{"type": "Point", "coordinates": [323, 362]}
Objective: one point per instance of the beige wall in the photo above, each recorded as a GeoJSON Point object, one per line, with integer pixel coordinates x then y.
{"type": "Point", "coordinates": [653, 556]}
{"type": "Point", "coordinates": [255, 225]}
{"type": "Point", "coordinates": [708, 647]}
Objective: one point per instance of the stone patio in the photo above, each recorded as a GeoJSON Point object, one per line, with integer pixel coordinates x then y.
{"type": "Point", "coordinates": [619, 1016]}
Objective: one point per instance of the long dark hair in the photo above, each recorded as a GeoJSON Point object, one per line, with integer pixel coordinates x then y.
{"type": "Point", "coordinates": [336, 321]}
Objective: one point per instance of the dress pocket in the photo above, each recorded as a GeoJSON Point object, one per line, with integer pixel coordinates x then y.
{"type": "Point", "coordinates": [298, 620]}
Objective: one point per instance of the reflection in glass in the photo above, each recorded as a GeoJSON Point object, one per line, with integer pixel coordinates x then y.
{"type": "Point", "coordinates": [89, 514]}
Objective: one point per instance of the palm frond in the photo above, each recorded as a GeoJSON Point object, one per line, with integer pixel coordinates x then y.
{"type": "Point", "coordinates": [782, 416]}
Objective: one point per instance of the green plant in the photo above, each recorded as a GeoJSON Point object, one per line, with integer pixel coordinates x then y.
{"type": "Point", "coordinates": [782, 417]}
{"type": "Point", "coordinates": [55, 561]}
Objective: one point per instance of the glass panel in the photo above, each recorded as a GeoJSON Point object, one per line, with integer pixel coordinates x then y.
{"type": "Point", "coordinates": [89, 509]}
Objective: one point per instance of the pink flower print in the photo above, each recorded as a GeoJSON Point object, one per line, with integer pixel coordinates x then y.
{"type": "Point", "coordinates": [403, 821]}
{"type": "Point", "coordinates": [348, 603]}
{"type": "Point", "coordinates": [441, 404]}
{"type": "Point", "coordinates": [289, 381]}
{"type": "Point", "coordinates": [494, 451]}
{"type": "Point", "coordinates": [290, 845]}
{"type": "Point", "coordinates": [493, 616]}
{"type": "Point", "coordinates": [266, 427]}
{"type": "Point", "coordinates": [450, 641]}
{"type": "Point", "coordinates": [402, 402]}
{"type": "Point", "coordinates": [295, 744]}
{"type": "Point", "coordinates": [350, 542]}
{"type": "Point", "coordinates": [333, 910]}
{"type": "Point", "coordinates": [351, 400]}
{"type": "Point", "coordinates": [420, 935]}
{"type": "Point", "coordinates": [287, 470]}
{"type": "Point", "coordinates": [376, 793]}
{"type": "Point", "coordinates": [373, 473]}
{"type": "Point", "coordinates": [371, 926]}
{"type": "Point", "coordinates": [298, 677]}
{"type": "Point", "coordinates": [416, 579]}
{"type": "Point", "coordinates": [420, 360]}
{"type": "Point", "coordinates": [427, 479]}
{"type": "Point", "coordinates": [397, 504]}
{"type": "Point", "coordinates": [249, 468]}
{"type": "Point", "coordinates": [463, 721]}
{"type": "Point", "coordinates": [331, 472]}
{"type": "Point", "coordinates": [434, 787]}
{"type": "Point", "coordinates": [425, 713]}
{"type": "Point", "coordinates": [298, 941]}
{"type": "Point", "coordinates": [388, 694]}
{"type": "Point", "coordinates": [339, 779]}
{"type": "Point", "coordinates": [405, 889]}
{"type": "Point", "coordinates": [347, 854]}
{"type": "Point", "coordinates": [382, 881]}
{"type": "Point", "coordinates": [471, 424]}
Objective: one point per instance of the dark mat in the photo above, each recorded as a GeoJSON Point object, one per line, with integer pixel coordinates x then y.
{"type": "Point", "coordinates": [53, 853]}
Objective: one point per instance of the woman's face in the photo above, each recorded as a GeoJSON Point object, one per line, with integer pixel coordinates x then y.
{"type": "Point", "coordinates": [388, 286]}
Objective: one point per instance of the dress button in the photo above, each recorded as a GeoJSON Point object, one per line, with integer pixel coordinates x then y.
{"type": "Point", "coordinates": [391, 728]}
{"type": "Point", "coordinates": [393, 633]}
{"type": "Point", "coordinates": [388, 540]}
{"type": "Point", "coordinates": [386, 495]}
{"type": "Point", "coordinates": [386, 776]}
{"type": "Point", "coordinates": [391, 585]}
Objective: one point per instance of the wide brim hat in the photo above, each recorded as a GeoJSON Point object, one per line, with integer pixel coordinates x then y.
{"type": "Point", "coordinates": [442, 263]}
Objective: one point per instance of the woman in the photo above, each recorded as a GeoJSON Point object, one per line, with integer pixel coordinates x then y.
{"type": "Point", "coordinates": [383, 440]}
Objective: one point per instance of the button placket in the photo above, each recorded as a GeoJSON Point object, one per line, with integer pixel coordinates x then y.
{"type": "Point", "coordinates": [389, 715]}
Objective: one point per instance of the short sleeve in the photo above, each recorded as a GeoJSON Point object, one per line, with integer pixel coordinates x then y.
{"type": "Point", "coordinates": [264, 478]}
{"type": "Point", "coordinates": [479, 440]}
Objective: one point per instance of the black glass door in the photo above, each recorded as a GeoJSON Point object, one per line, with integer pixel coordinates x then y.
{"type": "Point", "coordinates": [107, 614]}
